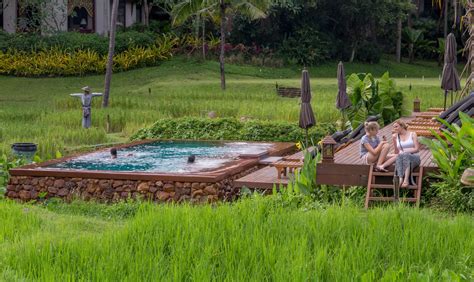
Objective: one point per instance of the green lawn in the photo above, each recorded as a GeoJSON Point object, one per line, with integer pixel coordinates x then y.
{"type": "Point", "coordinates": [40, 110]}
{"type": "Point", "coordinates": [253, 240]}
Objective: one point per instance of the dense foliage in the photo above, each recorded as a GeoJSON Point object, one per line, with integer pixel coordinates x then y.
{"type": "Point", "coordinates": [229, 129]}
{"type": "Point", "coordinates": [453, 152]}
{"type": "Point", "coordinates": [58, 61]}
{"type": "Point", "coordinates": [311, 31]}
{"type": "Point", "coordinates": [370, 96]}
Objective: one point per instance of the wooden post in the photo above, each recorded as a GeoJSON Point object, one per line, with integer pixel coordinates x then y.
{"type": "Point", "coordinates": [108, 126]}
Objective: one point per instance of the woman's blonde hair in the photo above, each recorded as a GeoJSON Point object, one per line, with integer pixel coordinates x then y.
{"type": "Point", "coordinates": [371, 125]}
{"type": "Point", "coordinates": [401, 123]}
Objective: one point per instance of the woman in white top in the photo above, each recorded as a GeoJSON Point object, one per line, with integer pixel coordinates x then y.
{"type": "Point", "coordinates": [406, 147]}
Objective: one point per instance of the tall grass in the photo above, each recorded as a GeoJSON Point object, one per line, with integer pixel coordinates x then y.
{"type": "Point", "coordinates": [253, 240]}
{"type": "Point", "coordinates": [41, 111]}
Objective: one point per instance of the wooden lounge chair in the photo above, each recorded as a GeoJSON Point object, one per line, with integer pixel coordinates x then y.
{"type": "Point", "coordinates": [284, 167]}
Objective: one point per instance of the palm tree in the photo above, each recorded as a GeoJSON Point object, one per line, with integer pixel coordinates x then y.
{"type": "Point", "coordinates": [254, 9]}
{"type": "Point", "coordinates": [110, 58]}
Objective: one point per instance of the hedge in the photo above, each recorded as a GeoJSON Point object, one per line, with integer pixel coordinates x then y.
{"type": "Point", "coordinates": [58, 62]}
{"type": "Point", "coordinates": [73, 41]}
{"type": "Point", "coordinates": [230, 129]}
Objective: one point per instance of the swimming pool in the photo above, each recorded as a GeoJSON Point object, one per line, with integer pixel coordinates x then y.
{"type": "Point", "coordinates": [166, 156]}
{"type": "Point", "coordinates": [154, 170]}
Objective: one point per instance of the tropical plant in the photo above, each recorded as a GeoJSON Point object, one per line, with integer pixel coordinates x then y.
{"type": "Point", "coordinates": [5, 165]}
{"type": "Point", "coordinates": [254, 9]}
{"type": "Point", "coordinates": [58, 62]}
{"type": "Point", "coordinates": [412, 37]}
{"type": "Point", "coordinates": [373, 97]}
{"type": "Point", "coordinates": [453, 149]}
{"type": "Point", "coordinates": [453, 152]}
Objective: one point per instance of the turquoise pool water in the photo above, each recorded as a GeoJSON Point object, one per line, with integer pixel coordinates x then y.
{"type": "Point", "coordinates": [165, 157]}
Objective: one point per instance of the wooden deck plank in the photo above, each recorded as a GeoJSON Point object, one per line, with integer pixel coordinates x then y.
{"type": "Point", "coordinates": [348, 168]}
{"type": "Point", "coordinates": [263, 178]}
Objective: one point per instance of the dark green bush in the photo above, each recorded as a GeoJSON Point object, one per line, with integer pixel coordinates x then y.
{"type": "Point", "coordinates": [306, 47]}
{"type": "Point", "coordinates": [229, 129]}
{"type": "Point", "coordinates": [369, 52]}
{"type": "Point", "coordinates": [73, 41]}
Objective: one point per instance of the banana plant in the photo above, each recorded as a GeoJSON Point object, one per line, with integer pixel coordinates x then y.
{"type": "Point", "coordinates": [412, 38]}
{"type": "Point", "coordinates": [372, 97]}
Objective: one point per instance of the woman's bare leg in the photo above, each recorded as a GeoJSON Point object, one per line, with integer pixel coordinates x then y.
{"type": "Point", "coordinates": [383, 156]}
{"type": "Point", "coordinates": [371, 158]}
{"type": "Point", "coordinates": [405, 178]}
{"type": "Point", "coordinates": [391, 159]}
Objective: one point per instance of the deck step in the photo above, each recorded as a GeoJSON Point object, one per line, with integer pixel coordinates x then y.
{"type": "Point", "coordinates": [373, 184]}
{"type": "Point", "coordinates": [391, 199]}
{"type": "Point", "coordinates": [390, 173]}
{"type": "Point", "coordinates": [390, 186]}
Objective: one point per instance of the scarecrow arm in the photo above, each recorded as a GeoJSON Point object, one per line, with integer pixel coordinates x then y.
{"type": "Point", "coordinates": [96, 94]}
{"type": "Point", "coordinates": [76, 94]}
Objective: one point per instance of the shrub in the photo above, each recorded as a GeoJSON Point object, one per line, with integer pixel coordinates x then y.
{"type": "Point", "coordinates": [73, 41]}
{"type": "Point", "coordinates": [369, 53]}
{"type": "Point", "coordinates": [57, 62]}
{"type": "Point", "coordinates": [305, 47]}
{"type": "Point", "coordinates": [229, 129]}
{"type": "Point", "coordinates": [453, 152]}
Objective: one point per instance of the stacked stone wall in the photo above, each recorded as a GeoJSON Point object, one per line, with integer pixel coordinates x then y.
{"type": "Point", "coordinates": [27, 188]}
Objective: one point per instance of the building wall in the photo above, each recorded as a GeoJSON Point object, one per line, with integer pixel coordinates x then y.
{"type": "Point", "coordinates": [102, 17]}
{"type": "Point", "coordinates": [9, 16]}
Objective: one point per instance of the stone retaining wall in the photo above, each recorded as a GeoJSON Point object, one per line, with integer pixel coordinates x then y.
{"type": "Point", "coordinates": [26, 188]}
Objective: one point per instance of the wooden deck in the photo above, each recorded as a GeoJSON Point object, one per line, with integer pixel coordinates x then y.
{"type": "Point", "coordinates": [348, 168]}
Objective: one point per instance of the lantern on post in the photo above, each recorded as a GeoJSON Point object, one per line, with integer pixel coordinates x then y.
{"type": "Point", "coordinates": [328, 149]}
{"type": "Point", "coordinates": [416, 105]}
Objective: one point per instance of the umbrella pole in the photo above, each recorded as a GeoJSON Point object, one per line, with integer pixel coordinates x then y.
{"type": "Point", "coordinates": [306, 138]}
{"type": "Point", "coordinates": [445, 97]}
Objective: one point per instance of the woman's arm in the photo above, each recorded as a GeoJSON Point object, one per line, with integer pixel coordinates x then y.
{"type": "Point", "coordinates": [415, 142]}
{"type": "Point", "coordinates": [394, 142]}
{"type": "Point", "coordinates": [375, 151]}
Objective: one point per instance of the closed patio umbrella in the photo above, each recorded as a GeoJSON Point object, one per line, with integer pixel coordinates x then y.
{"type": "Point", "coordinates": [342, 100]}
{"type": "Point", "coordinates": [307, 118]}
{"type": "Point", "coordinates": [450, 79]}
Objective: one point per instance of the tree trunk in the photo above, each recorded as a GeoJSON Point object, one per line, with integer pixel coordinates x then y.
{"type": "Point", "coordinates": [353, 53]}
{"type": "Point", "coordinates": [110, 59]}
{"type": "Point", "coordinates": [146, 13]}
{"type": "Point", "coordinates": [445, 30]}
{"type": "Point", "coordinates": [411, 52]}
{"type": "Point", "coordinates": [221, 56]}
{"type": "Point", "coordinates": [399, 40]}
{"type": "Point", "coordinates": [204, 39]}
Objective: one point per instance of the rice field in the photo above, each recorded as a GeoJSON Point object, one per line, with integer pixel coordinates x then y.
{"type": "Point", "coordinates": [40, 109]}
{"type": "Point", "coordinates": [255, 239]}
{"type": "Point", "coordinates": [252, 240]}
